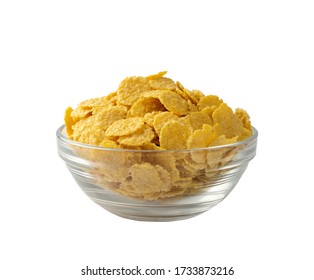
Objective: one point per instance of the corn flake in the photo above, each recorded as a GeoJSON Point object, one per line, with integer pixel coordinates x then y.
{"type": "Point", "coordinates": [197, 119]}
{"type": "Point", "coordinates": [132, 88]}
{"type": "Point", "coordinates": [209, 101]}
{"type": "Point", "coordinates": [141, 137]}
{"type": "Point", "coordinates": [147, 178]}
{"type": "Point", "coordinates": [107, 143]}
{"type": "Point", "coordinates": [174, 135]}
{"type": "Point", "coordinates": [156, 76]}
{"type": "Point", "coordinates": [201, 138]}
{"type": "Point", "coordinates": [125, 127]}
{"type": "Point", "coordinates": [245, 119]}
{"type": "Point", "coordinates": [94, 102]}
{"type": "Point", "coordinates": [104, 117]}
{"type": "Point", "coordinates": [161, 119]}
{"type": "Point", "coordinates": [69, 122]}
{"type": "Point", "coordinates": [149, 118]}
{"type": "Point", "coordinates": [174, 102]}
{"type": "Point", "coordinates": [145, 105]}
{"type": "Point", "coordinates": [184, 92]}
{"type": "Point", "coordinates": [162, 83]}
{"type": "Point", "coordinates": [230, 124]}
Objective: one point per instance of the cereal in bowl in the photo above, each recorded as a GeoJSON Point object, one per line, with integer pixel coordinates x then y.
{"type": "Point", "coordinates": [155, 113]}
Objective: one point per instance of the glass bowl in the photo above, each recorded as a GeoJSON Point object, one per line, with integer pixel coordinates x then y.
{"type": "Point", "coordinates": [162, 185]}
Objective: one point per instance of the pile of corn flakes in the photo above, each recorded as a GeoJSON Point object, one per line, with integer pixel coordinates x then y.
{"type": "Point", "coordinates": [157, 117]}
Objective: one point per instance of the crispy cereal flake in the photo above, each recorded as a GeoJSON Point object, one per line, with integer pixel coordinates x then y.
{"type": "Point", "coordinates": [230, 124]}
{"type": "Point", "coordinates": [132, 88]}
{"type": "Point", "coordinates": [148, 178]}
{"type": "Point", "coordinates": [145, 105]}
{"type": "Point", "coordinates": [139, 138]}
{"type": "Point", "coordinates": [174, 135]}
{"type": "Point", "coordinates": [174, 102]}
{"type": "Point", "coordinates": [201, 138]}
{"type": "Point", "coordinates": [69, 122]}
{"type": "Point", "coordinates": [125, 127]}
{"type": "Point", "coordinates": [162, 83]}
{"type": "Point", "coordinates": [161, 119]}
{"type": "Point", "coordinates": [208, 101]}
{"type": "Point", "coordinates": [197, 119]}
{"type": "Point", "coordinates": [156, 76]}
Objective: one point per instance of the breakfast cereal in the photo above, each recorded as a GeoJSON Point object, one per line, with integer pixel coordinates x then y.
{"type": "Point", "coordinates": [157, 115]}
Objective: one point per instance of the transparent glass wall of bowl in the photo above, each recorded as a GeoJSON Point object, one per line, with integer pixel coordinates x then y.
{"type": "Point", "coordinates": [105, 176]}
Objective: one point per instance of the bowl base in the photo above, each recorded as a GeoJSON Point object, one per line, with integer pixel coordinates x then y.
{"type": "Point", "coordinates": [166, 210]}
{"type": "Point", "coordinates": [158, 218]}
{"type": "Point", "coordinates": [155, 213]}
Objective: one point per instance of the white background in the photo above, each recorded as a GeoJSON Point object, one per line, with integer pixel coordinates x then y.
{"type": "Point", "coordinates": [258, 55]}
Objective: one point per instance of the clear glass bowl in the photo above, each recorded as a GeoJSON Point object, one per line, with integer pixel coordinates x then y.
{"type": "Point", "coordinates": [150, 185]}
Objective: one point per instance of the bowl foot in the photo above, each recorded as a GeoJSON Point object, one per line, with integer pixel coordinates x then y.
{"type": "Point", "coordinates": [157, 218]}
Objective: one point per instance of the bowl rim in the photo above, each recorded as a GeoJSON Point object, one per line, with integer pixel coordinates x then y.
{"type": "Point", "coordinates": [61, 136]}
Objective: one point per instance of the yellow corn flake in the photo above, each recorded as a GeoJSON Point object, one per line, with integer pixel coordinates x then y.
{"type": "Point", "coordinates": [162, 83]}
{"type": "Point", "coordinates": [85, 131]}
{"type": "Point", "coordinates": [69, 122]}
{"type": "Point", "coordinates": [153, 94]}
{"type": "Point", "coordinates": [145, 105]}
{"type": "Point", "coordinates": [175, 191]}
{"type": "Point", "coordinates": [193, 98]}
{"type": "Point", "coordinates": [244, 117]}
{"type": "Point", "coordinates": [182, 91]}
{"type": "Point", "coordinates": [147, 178]}
{"type": "Point", "coordinates": [199, 156]}
{"type": "Point", "coordinates": [141, 137]}
{"type": "Point", "coordinates": [192, 107]}
{"type": "Point", "coordinates": [114, 165]}
{"type": "Point", "coordinates": [93, 102]}
{"type": "Point", "coordinates": [132, 88]}
{"type": "Point", "coordinates": [156, 76]}
{"type": "Point", "coordinates": [183, 183]}
{"type": "Point", "coordinates": [104, 117]}
{"type": "Point", "coordinates": [125, 127]}
{"type": "Point", "coordinates": [201, 138]}
{"type": "Point", "coordinates": [197, 94]}
{"type": "Point", "coordinates": [150, 146]}
{"type": "Point", "coordinates": [209, 110]}
{"type": "Point", "coordinates": [111, 98]}
{"type": "Point", "coordinates": [186, 171]}
{"type": "Point", "coordinates": [230, 124]}
{"type": "Point", "coordinates": [174, 102]}
{"type": "Point", "coordinates": [247, 133]}
{"type": "Point", "coordinates": [196, 166]}
{"type": "Point", "coordinates": [197, 119]}
{"type": "Point", "coordinates": [209, 101]}
{"type": "Point", "coordinates": [149, 118]}
{"type": "Point", "coordinates": [174, 135]}
{"type": "Point", "coordinates": [213, 159]}
{"type": "Point", "coordinates": [219, 157]}
{"type": "Point", "coordinates": [223, 140]}
{"type": "Point", "coordinates": [106, 143]}
{"type": "Point", "coordinates": [167, 161]}
{"type": "Point", "coordinates": [80, 127]}
{"type": "Point", "coordinates": [161, 119]}
{"type": "Point", "coordinates": [81, 113]}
